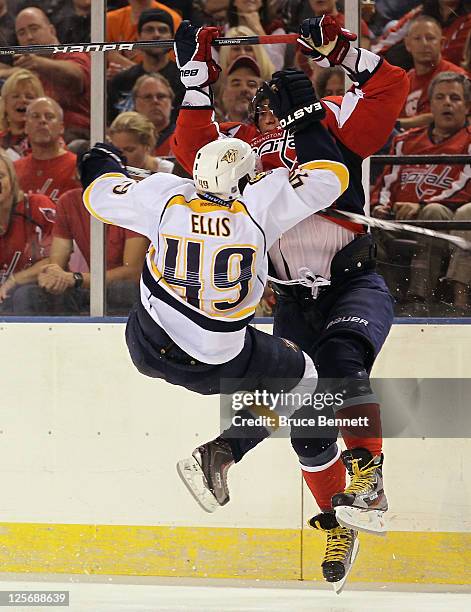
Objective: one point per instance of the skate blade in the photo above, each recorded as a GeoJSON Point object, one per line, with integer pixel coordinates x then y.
{"type": "Point", "coordinates": [338, 586]}
{"type": "Point", "coordinates": [192, 477]}
{"type": "Point", "coordinates": [369, 521]}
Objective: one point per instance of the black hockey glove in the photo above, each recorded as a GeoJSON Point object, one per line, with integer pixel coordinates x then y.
{"type": "Point", "coordinates": [293, 100]}
{"type": "Point", "coordinates": [100, 159]}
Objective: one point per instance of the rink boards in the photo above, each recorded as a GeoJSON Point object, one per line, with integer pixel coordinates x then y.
{"type": "Point", "coordinates": [88, 449]}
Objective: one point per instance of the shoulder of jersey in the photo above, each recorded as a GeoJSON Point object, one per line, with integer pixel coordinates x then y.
{"type": "Point", "coordinates": [165, 180]}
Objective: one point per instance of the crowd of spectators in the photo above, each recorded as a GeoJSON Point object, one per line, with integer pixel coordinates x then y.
{"type": "Point", "coordinates": [45, 120]}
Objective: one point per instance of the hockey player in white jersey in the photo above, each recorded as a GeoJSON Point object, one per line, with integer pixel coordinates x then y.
{"type": "Point", "coordinates": [206, 268]}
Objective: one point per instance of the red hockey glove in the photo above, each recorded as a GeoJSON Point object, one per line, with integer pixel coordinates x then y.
{"type": "Point", "coordinates": [193, 53]}
{"type": "Point", "coordinates": [322, 39]}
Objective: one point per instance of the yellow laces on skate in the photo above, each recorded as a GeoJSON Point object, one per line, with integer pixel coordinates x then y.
{"type": "Point", "coordinates": [362, 477]}
{"type": "Point", "coordinates": [338, 544]}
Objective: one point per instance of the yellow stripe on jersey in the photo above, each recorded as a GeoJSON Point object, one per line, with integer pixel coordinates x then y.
{"type": "Point", "coordinates": [340, 171]}
{"type": "Point", "coordinates": [86, 194]}
{"type": "Point", "coordinates": [200, 205]}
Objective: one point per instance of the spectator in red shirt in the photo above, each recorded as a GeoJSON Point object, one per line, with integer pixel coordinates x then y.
{"type": "Point", "coordinates": [21, 88]}
{"type": "Point", "coordinates": [65, 76]}
{"type": "Point", "coordinates": [69, 291]}
{"type": "Point", "coordinates": [153, 97]}
{"type": "Point", "coordinates": [454, 18]}
{"type": "Point", "coordinates": [49, 168]}
{"type": "Point", "coordinates": [434, 192]}
{"type": "Point", "coordinates": [424, 42]}
{"type": "Point", "coordinates": [26, 223]}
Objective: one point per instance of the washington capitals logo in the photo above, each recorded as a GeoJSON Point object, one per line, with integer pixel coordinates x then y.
{"type": "Point", "coordinates": [230, 156]}
{"type": "Point", "coordinates": [429, 181]}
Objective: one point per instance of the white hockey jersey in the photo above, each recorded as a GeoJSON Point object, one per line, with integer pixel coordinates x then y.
{"type": "Point", "coordinates": [206, 268]}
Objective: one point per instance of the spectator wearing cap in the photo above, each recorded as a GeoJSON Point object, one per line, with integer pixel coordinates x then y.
{"type": "Point", "coordinates": [65, 76]}
{"type": "Point", "coordinates": [122, 25]}
{"type": "Point", "coordinates": [153, 97]}
{"type": "Point", "coordinates": [424, 42]}
{"type": "Point", "coordinates": [154, 24]}
{"type": "Point", "coordinates": [241, 83]}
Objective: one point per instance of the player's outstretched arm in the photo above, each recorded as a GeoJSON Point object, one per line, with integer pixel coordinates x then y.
{"type": "Point", "coordinates": [365, 117]}
{"type": "Point", "coordinates": [198, 70]}
{"type": "Point", "coordinates": [114, 198]}
{"type": "Point", "coordinates": [321, 176]}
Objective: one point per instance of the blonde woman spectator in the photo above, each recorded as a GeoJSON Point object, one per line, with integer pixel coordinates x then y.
{"type": "Point", "coordinates": [254, 14]}
{"type": "Point", "coordinates": [228, 54]}
{"type": "Point", "coordinates": [26, 224]}
{"type": "Point", "coordinates": [21, 88]}
{"type": "Point", "coordinates": [134, 134]}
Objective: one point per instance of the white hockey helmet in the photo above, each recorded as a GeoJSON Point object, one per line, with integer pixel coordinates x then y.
{"type": "Point", "coordinates": [221, 164]}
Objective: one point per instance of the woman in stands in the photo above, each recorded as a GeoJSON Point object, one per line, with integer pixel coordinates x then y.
{"type": "Point", "coordinates": [21, 88]}
{"type": "Point", "coordinates": [229, 53]}
{"type": "Point", "coordinates": [26, 223]}
{"type": "Point", "coordinates": [134, 134]}
{"type": "Point", "coordinates": [255, 15]}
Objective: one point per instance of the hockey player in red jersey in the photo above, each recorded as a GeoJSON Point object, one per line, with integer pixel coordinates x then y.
{"type": "Point", "coordinates": [330, 301]}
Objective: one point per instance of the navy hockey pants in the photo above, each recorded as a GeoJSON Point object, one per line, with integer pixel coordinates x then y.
{"type": "Point", "coordinates": [343, 331]}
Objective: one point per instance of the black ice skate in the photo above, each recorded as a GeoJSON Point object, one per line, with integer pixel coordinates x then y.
{"type": "Point", "coordinates": [341, 549]}
{"type": "Point", "coordinates": [205, 473]}
{"type": "Point", "coordinates": [362, 505]}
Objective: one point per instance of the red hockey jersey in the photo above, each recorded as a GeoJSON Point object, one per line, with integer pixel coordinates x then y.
{"type": "Point", "coordinates": [445, 183]}
{"type": "Point", "coordinates": [417, 100]}
{"type": "Point", "coordinates": [361, 122]}
{"type": "Point", "coordinates": [29, 234]}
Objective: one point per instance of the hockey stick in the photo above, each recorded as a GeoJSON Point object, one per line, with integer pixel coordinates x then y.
{"type": "Point", "coordinates": [142, 44]}
{"type": "Point", "coordinates": [394, 226]}
{"type": "Point", "coordinates": [398, 226]}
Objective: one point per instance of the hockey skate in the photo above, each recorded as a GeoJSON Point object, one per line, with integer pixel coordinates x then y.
{"type": "Point", "coordinates": [341, 549]}
{"type": "Point", "coordinates": [205, 474]}
{"type": "Point", "coordinates": [362, 505]}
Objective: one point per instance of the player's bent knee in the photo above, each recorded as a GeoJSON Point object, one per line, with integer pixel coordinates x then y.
{"type": "Point", "coordinates": [342, 355]}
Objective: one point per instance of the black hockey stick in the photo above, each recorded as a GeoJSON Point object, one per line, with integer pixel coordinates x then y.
{"type": "Point", "coordinates": [142, 44]}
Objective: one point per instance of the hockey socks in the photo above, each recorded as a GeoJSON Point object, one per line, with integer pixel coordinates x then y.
{"type": "Point", "coordinates": [325, 481]}
{"type": "Point", "coordinates": [364, 427]}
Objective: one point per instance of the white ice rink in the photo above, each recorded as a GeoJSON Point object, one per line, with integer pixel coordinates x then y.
{"type": "Point", "coordinates": [200, 596]}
